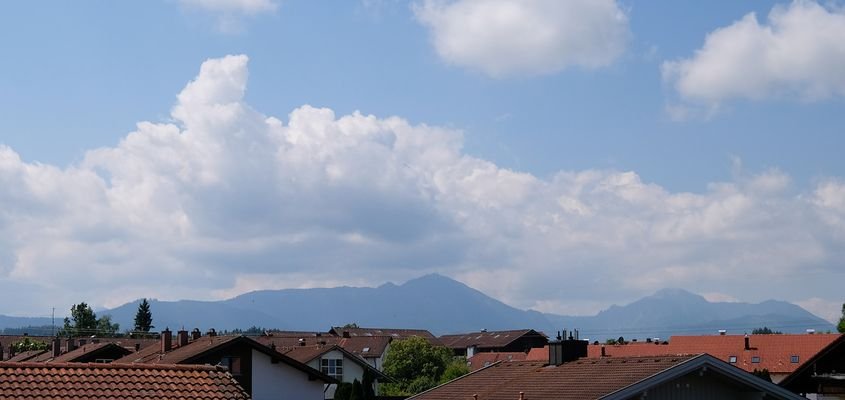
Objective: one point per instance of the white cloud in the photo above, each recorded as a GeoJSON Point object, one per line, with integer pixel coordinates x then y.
{"type": "Point", "coordinates": [798, 52]}
{"type": "Point", "coordinates": [508, 37]}
{"type": "Point", "coordinates": [827, 309]}
{"type": "Point", "coordinates": [225, 199]}
{"type": "Point", "coordinates": [247, 7]}
{"type": "Point", "coordinates": [230, 13]}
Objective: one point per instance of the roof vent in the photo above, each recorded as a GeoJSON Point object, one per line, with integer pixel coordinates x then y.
{"type": "Point", "coordinates": [811, 331]}
{"type": "Point", "coordinates": [722, 332]}
{"type": "Point", "coordinates": [484, 330]}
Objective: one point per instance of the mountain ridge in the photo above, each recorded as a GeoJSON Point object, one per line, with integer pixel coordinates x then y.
{"type": "Point", "coordinates": [443, 305]}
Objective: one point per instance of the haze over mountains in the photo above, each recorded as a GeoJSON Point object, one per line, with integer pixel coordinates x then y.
{"type": "Point", "coordinates": [443, 305]}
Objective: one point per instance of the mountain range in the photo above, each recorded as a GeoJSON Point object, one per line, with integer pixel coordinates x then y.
{"type": "Point", "coordinates": [443, 305]}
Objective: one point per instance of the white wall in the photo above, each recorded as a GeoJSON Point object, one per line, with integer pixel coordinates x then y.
{"type": "Point", "coordinates": [281, 381]}
{"type": "Point", "coordinates": [351, 369]}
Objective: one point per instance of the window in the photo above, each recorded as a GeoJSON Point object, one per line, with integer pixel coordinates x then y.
{"type": "Point", "coordinates": [755, 359]}
{"type": "Point", "coordinates": [332, 367]}
{"type": "Point", "coordinates": [232, 363]}
{"type": "Point", "coordinates": [732, 359]}
{"type": "Point", "coordinates": [793, 359]}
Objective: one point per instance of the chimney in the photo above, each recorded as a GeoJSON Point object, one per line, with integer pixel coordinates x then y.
{"type": "Point", "coordinates": [137, 347]}
{"type": "Point", "coordinates": [182, 337]}
{"type": "Point", "coordinates": [521, 395]}
{"type": "Point", "coordinates": [301, 342]}
{"type": "Point", "coordinates": [722, 332]}
{"type": "Point", "coordinates": [346, 334]}
{"type": "Point", "coordinates": [211, 332]}
{"type": "Point", "coordinates": [166, 340]}
{"type": "Point", "coordinates": [567, 349]}
{"type": "Point", "coordinates": [196, 334]}
{"type": "Point", "coordinates": [1, 351]}
{"type": "Point", "coordinates": [70, 345]}
{"type": "Point", "coordinates": [603, 354]}
{"type": "Point", "coordinates": [747, 342]}
{"type": "Point", "coordinates": [57, 347]}
{"type": "Point", "coordinates": [82, 342]}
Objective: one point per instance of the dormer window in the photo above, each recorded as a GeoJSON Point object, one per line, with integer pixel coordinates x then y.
{"type": "Point", "coordinates": [755, 359]}
{"type": "Point", "coordinates": [732, 359]}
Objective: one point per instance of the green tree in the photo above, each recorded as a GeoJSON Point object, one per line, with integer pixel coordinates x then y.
{"type": "Point", "coordinates": [143, 318]}
{"type": "Point", "coordinates": [762, 373]}
{"type": "Point", "coordinates": [765, 331]}
{"type": "Point", "coordinates": [105, 327]}
{"type": "Point", "coordinates": [415, 365]}
{"type": "Point", "coordinates": [357, 391]}
{"type": "Point", "coordinates": [82, 321]}
{"type": "Point", "coordinates": [841, 326]}
{"type": "Point", "coordinates": [367, 382]}
{"type": "Point", "coordinates": [343, 391]}
{"type": "Point", "coordinates": [350, 326]}
{"type": "Point", "coordinates": [27, 344]}
{"type": "Point", "coordinates": [457, 368]}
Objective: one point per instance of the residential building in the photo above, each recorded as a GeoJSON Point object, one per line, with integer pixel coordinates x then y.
{"type": "Point", "coordinates": [262, 371]}
{"type": "Point", "coordinates": [336, 362]}
{"type": "Point", "coordinates": [468, 344]}
{"type": "Point", "coordinates": [823, 375]}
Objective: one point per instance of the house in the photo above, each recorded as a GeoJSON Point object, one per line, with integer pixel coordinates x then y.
{"type": "Point", "coordinates": [79, 381]}
{"type": "Point", "coordinates": [625, 378]}
{"type": "Point", "coordinates": [372, 349]}
{"type": "Point", "coordinates": [92, 353]}
{"type": "Point", "coordinates": [348, 332]}
{"type": "Point", "coordinates": [780, 354]}
{"type": "Point", "coordinates": [334, 361]}
{"type": "Point", "coordinates": [481, 360]}
{"type": "Point", "coordinates": [263, 372]}
{"type": "Point", "coordinates": [822, 375]}
{"type": "Point", "coordinates": [468, 344]}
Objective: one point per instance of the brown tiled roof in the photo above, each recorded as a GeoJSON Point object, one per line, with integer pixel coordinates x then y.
{"type": "Point", "coordinates": [394, 333]}
{"type": "Point", "coordinates": [488, 339]}
{"type": "Point", "coordinates": [364, 346]}
{"type": "Point", "coordinates": [304, 354]}
{"type": "Point", "coordinates": [116, 381]}
{"type": "Point", "coordinates": [583, 379]}
{"type": "Point", "coordinates": [89, 349]}
{"type": "Point", "coordinates": [481, 360]}
{"type": "Point", "coordinates": [27, 355]}
{"type": "Point", "coordinates": [774, 351]}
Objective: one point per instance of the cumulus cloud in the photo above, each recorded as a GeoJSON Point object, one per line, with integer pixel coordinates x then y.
{"type": "Point", "coordinates": [797, 52]}
{"type": "Point", "coordinates": [506, 37]}
{"type": "Point", "coordinates": [224, 199]}
{"type": "Point", "coordinates": [230, 12]}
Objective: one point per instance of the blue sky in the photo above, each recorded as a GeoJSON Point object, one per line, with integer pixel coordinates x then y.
{"type": "Point", "coordinates": [719, 132]}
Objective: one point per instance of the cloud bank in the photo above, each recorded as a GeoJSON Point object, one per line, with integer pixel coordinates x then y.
{"type": "Point", "coordinates": [225, 199]}
{"type": "Point", "coordinates": [528, 37]}
{"type": "Point", "coordinates": [798, 52]}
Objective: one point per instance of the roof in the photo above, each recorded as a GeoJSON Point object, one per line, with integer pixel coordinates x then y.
{"type": "Point", "coordinates": [810, 369]}
{"type": "Point", "coordinates": [486, 339]}
{"type": "Point", "coordinates": [774, 352]}
{"type": "Point", "coordinates": [195, 350]}
{"type": "Point", "coordinates": [392, 332]}
{"type": "Point", "coordinates": [116, 381]}
{"type": "Point", "coordinates": [27, 355]}
{"type": "Point", "coordinates": [481, 360]}
{"type": "Point", "coordinates": [584, 379]}
{"type": "Point", "coordinates": [91, 350]}
{"type": "Point", "coordinates": [364, 346]}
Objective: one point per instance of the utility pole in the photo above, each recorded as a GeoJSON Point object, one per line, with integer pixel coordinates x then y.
{"type": "Point", "coordinates": [53, 332]}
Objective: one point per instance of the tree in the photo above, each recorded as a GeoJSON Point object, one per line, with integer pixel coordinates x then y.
{"type": "Point", "coordinates": [352, 325]}
{"type": "Point", "coordinates": [415, 365]}
{"type": "Point", "coordinates": [82, 321]}
{"type": "Point", "coordinates": [27, 344]}
{"type": "Point", "coordinates": [343, 391]}
{"type": "Point", "coordinates": [367, 382]}
{"type": "Point", "coordinates": [841, 326]}
{"type": "Point", "coordinates": [765, 331]}
{"type": "Point", "coordinates": [357, 391]}
{"type": "Point", "coordinates": [455, 369]}
{"type": "Point", "coordinates": [143, 318]}
{"type": "Point", "coordinates": [762, 373]}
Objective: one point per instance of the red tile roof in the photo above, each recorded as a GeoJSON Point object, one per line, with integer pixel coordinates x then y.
{"type": "Point", "coordinates": [481, 360]}
{"type": "Point", "coordinates": [91, 350]}
{"type": "Point", "coordinates": [488, 339]}
{"type": "Point", "coordinates": [578, 380]}
{"type": "Point", "coordinates": [27, 355]}
{"type": "Point", "coordinates": [394, 333]}
{"type": "Point", "coordinates": [773, 352]}
{"type": "Point", "coordinates": [364, 346]}
{"type": "Point", "coordinates": [116, 381]}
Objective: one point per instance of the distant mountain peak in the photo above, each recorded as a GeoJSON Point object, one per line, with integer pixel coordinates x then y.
{"type": "Point", "coordinates": [675, 293]}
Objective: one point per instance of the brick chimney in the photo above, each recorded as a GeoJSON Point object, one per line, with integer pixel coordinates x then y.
{"type": "Point", "coordinates": [166, 340]}
{"type": "Point", "coordinates": [346, 334]}
{"type": "Point", "coordinates": [70, 345]}
{"type": "Point", "coordinates": [182, 337]}
{"type": "Point", "coordinates": [747, 342]}
{"type": "Point", "coordinates": [196, 334]}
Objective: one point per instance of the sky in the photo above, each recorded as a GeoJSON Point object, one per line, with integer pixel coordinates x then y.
{"type": "Point", "coordinates": [560, 156]}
